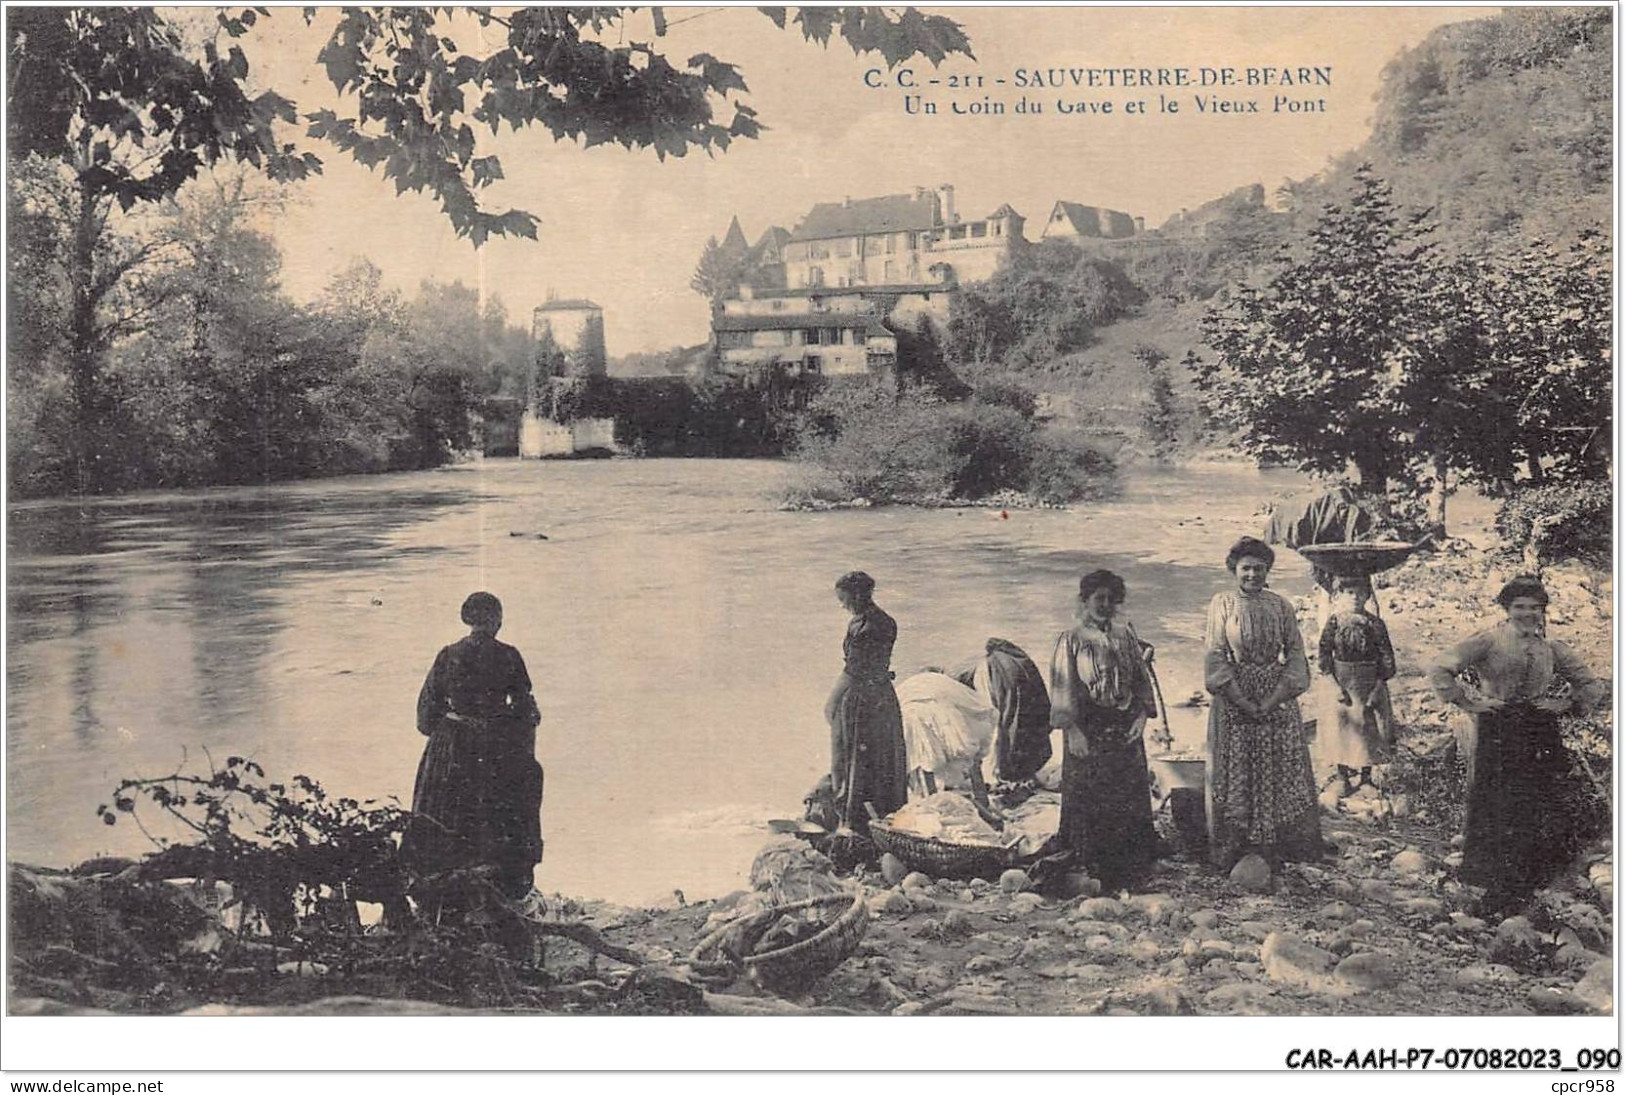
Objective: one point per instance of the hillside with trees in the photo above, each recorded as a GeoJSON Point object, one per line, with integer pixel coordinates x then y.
{"type": "Point", "coordinates": [1493, 136]}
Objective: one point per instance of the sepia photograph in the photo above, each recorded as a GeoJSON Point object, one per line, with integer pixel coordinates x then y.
{"type": "Point", "coordinates": [976, 511]}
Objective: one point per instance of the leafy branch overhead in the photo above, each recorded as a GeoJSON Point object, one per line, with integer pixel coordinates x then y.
{"type": "Point", "coordinates": [422, 98]}
{"type": "Point", "coordinates": [118, 95]}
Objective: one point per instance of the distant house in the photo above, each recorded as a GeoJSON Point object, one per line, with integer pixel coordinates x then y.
{"type": "Point", "coordinates": [575, 327]}
{"type": "Point", "coordinates": [850, 275]}
{"type": "Point", "coordinates": [1074, 222]}
{"type": "Point", "coordinates": [898, 239]}
{"type": "Point", "coordinates": [782, 335]}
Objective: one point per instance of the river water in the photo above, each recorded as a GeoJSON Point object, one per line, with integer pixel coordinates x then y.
{"type": "Point", "coordinates": [681, 630]}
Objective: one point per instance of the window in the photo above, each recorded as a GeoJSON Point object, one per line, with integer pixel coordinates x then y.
{"type": "Point", "coordinates": [860, 337]}
{"type": "Point", "coordinates": [978, 230]}
{"type": "Point", "coordinates": [891, 271]}
{"type": "Point", "coordinates": [891, 245]}
{"type": "Point", "coordinates": [911, 240]}
{"type": "Point", "coordinates": [843, 249]}
{"type": "Point", "coordinates": [815, 276]}
{"type": "Point", "coordinates": [812, 363]}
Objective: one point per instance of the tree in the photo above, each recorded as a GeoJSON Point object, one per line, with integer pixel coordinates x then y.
{"type": "Point", "coordinates": [1045, 303]}
{"type": "Point", "coordinates": [129, 111]}
{"type": "Point", "coordinates": [1323, 367]}
{"type": "Point", "coordinates": [1161, 419]}
{"type": "Point", "coordinates": [720, 272]}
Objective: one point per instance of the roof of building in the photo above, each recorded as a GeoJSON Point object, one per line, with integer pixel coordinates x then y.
{"type": "Point", "coordinates": [795, 321]}
{"type": "Point", "coordinates": [733, 241]}
{"type": "Point", "coordinates": [1004, 211]}
{"type": "Point", "coordinates": [1092, 220]}
{"type": "Point", "coordinates": [891, 289]}
{"type": "Point", "coordinates": [773, 240]}
{"type": "Point", "coordinates": [569, 304]}
{"type": "Point", "coordinates": [891, 213]}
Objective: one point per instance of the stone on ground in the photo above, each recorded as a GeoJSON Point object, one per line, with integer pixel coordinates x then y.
{"type": "Point", "coordinates": [1251, 873]}
{"type": "Point", "coordinates": [1100, 908]}
{"type": "Point", "coordinates": [1294, 961]}
{"type": "Point", "coordinates": [1370, 971]}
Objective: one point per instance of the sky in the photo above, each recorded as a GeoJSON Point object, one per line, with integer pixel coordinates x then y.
{"type": "Point", "coordinates": [625, 229]}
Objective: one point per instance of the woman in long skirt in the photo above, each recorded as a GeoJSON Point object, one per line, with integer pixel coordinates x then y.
{"type": "Point", "coordinates": [1524, 820]}
{"type": "Point", "coordinates": [868, 759]}
{"type": "Point", "coordinates": [478, 797]}
{"type": "Point", "coordinates": [1100, 697]}
{"type": "Point", "coordinates": [1261, 790]}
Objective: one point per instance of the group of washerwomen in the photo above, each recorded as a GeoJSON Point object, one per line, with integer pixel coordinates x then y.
{"type": "Point", "coordinates": [478, 794]}
{"type": "Point", "coordinates": [1526, 815]}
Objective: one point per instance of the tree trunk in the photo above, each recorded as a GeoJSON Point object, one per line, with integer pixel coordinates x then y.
{"type": "Point", "coordinates": [83, 350]}
{"type": "Point", "coordinates": [1441, 496]}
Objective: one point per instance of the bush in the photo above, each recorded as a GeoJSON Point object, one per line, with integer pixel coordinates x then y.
{"type": "Point", "coordinates": [1001, 390]}
{"type": "Point", "coordinates": [871, 443]}
{"type": "Point", "coordinates": [1559, 521]}
{"type": "Point", "coordinates": [992, 447]}
{"type": "Point", "coordinates": [1065, 469]}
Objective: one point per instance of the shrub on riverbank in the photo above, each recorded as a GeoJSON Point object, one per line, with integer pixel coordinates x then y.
{"type": "Point", "coordinates": [864, 441]}
{"type": "Point", "coordinates": [1559, 521]}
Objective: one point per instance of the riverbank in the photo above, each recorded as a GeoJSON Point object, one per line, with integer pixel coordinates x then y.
{"type": "Point", "coordinates": [1380, 928]}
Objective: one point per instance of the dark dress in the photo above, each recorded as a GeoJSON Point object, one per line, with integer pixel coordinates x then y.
{"type": "Point", "coordinates": [1009, 680]}
{"type": "Point", "coordinates": [478, 796]}
{"type": "Point", "coordinates": [1099, 687]}
{"type": "Point", "coordinates": [1526, 815]}
{"type": "Point", "coordinates": [868, 759]}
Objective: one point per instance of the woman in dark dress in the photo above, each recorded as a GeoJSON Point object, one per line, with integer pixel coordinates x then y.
{"type": "Point", "coordinates": [478, 796]}
{"type": "Point", "coordinates": [868, 759]}
{"type": "Point", "coordinates": [1524, 820]}
{"type": "Point", "coordinates": [1100, 697]}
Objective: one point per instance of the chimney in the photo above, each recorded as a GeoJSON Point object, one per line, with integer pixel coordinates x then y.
{"type": "Point", "coordinates": [848, 201]}
{"type": "Point", "coordinates": [747, 293]}
{"type": "Point", "coordinates": [1139, 224]}
{"type": "Point", "coordinates": [945, 201]}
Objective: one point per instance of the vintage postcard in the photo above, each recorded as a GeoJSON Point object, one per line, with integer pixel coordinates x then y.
{"type": "Point", "coordinates": [721, 511]}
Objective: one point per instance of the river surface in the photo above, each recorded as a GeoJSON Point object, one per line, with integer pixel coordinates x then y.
{"type": "Point", "coordinates": [681, 630]}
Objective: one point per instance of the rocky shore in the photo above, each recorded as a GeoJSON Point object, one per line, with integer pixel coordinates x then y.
{"type": "Point", "coordinates": [1380, 927]}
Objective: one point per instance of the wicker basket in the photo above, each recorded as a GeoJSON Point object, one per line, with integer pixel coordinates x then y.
{"type": "Point", "coordinates": [939, 858]}
{"type": "Point", "coordinates": [790, 968]}
{"type": "Point", "coordinates": [1360, 559]}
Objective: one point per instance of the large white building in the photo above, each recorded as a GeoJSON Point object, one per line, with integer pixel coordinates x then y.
{"type": "Point", "coordinates": [898, 239]}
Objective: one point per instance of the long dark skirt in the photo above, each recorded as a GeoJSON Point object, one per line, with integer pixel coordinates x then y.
{"type": "Point", "coordinates": [477, 802]}
{"type": "Point", "coordinates": [868, 760]}
{"type": "Point", "coordinates": [1524, 816]}
{"type": "Point", "coordinates": [1106, 799]}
